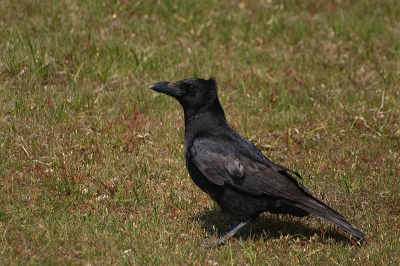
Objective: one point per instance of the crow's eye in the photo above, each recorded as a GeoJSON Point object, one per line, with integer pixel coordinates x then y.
{"type": "Point", "coordinates": [192, 88]}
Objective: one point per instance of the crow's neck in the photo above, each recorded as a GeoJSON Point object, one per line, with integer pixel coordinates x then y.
{"type": "Point", "coordinates": [208, 119]}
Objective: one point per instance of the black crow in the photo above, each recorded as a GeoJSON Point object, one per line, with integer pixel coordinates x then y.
{"type": "Point", "coordinates": [232, 170]}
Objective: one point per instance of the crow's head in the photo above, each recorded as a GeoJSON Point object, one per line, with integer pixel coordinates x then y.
{"type": "Point", "coordinates": [191, 93]}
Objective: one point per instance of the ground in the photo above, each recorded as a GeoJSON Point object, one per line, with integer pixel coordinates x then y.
{"type": "Point", "coordinates": [92, 162]}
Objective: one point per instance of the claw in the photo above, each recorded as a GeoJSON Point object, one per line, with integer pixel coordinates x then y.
{"type": "Point", "coordinates": [226, 234]}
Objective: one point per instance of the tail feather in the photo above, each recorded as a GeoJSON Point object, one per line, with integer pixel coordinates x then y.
{"type": "Point", "coordinates": [320, 209]}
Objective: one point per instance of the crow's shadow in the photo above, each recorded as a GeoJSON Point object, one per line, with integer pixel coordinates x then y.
{"type": "Point", "coordinates": [267, 226]}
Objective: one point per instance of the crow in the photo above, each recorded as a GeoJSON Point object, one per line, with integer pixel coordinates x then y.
{"type": "Point", "coordinates": [232, 170]}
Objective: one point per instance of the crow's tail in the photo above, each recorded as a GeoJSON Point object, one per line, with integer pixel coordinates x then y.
{"type": "Point", "coordinates": [316, 207]}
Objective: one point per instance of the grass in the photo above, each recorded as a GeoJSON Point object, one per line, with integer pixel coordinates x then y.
{"type": "Point", "coordinates": [92, 168]}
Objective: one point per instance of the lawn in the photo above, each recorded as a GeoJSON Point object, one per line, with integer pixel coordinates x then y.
{"type": "Point", "coordinates": [92, 164]}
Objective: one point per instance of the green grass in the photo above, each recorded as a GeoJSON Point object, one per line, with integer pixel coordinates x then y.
{"type": "Point", "coordinates": [91, 160]}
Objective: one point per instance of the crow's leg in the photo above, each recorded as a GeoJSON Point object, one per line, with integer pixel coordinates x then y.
{"type": "Point", "coordinates": [226, 234]}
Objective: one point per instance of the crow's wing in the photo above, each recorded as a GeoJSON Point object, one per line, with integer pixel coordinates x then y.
{"type": "Point", "coordinates": [233, 163]}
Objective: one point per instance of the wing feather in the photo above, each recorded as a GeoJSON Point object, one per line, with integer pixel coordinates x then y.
{"type": "Point", "coordinates": [227, 165]}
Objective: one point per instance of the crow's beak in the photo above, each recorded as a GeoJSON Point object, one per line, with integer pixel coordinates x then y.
{"type": "Point", "coordinates": [165, 87]}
